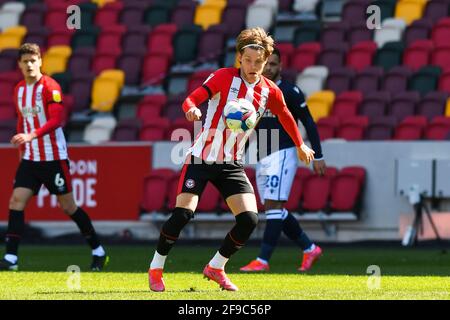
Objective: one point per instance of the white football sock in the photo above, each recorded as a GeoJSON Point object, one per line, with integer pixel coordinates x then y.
{"type": "Point", "coordinates": [11, 258]}
{"type": "Point", "coordinates": [158, 261]}
{"type": "Point", "coordinates": [310, 249]}
{"type": "Point", "coordinates": [262, 260]}
{"type": "Point", "coordinates": [218, 261]}
{"type": "Point", "coordinates": [100, 252]}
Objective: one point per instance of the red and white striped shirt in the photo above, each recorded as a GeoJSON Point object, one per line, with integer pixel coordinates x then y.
{"type": "Point", "coordinates": [32, 103]}
{"type": "Point", "coordinates": [215, 143]}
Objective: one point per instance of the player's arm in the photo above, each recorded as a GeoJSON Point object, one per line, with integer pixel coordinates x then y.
{"type": "Point", "coordinates": [278, 107]}
{"type": "Point", "coordinates": [209, 89]}
{"type": "Point", "coordinates": [55, 111]}
{"type": "Point", "coordinates": [297, 105]}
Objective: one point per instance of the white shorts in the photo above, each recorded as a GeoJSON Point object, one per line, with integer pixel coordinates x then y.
{"type": "Point", "coordinates": [275, 174]}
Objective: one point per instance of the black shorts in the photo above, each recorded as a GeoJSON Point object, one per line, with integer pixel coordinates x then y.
{"type": "Point", "coordinates": [55, 175]}
{"type": "Point", "coordinates": [228, 178]}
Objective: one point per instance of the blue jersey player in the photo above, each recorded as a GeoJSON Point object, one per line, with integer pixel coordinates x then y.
{"type": "Point", "coordinates": [276, 170]}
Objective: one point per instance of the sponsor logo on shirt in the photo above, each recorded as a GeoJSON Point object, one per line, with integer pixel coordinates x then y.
{"type": "Point", "coordinates": [31, 111]}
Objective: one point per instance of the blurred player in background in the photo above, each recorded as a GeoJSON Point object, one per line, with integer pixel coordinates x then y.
{"type": "Point", "coordinates": [276, 170]}
{"type": "Point", "coordinates": [216, 154]}
{"type": "Point", "coordinates": [44, 158]}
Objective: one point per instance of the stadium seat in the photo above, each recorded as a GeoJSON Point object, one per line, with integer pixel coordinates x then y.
{"type": "Point", "coordinates": [314, 201]}
{"type": "Point", "coordinates": [444, 82]}
{"type": "Point", "coordinates": [417, 55]}
{"type": "Point", "coordinates": [410, 10]}
{"type": "Point", "coordinates": [447, 108]}
{"type": "Point", "coordinates": [396, 79]}
{"type": "Point", "coordinates": [403, 105]}
{"type": "Point", "coordinates": [211, 44]}
{"type": "Point", "coordinates": [333, 56]}
{"type": "Point", "coordinates": [340, 80]}
{"type": "Point", "coordinates": [183, 14]}
{"type": "Point", "coordinates": [56, 16]}
{"type": "Point", "coordinates": [320, 103]}
{"type": "Point", "coordinates": [327, 127]}
{"type": "Point", "coordinates": [346, 104]}
{"type": "Point", "coordinates": [156, 190]}
{"type": "Point", "coordinates": [304, 5]}
{"type": "Point", "coordinates": [154, 130]}
{"type": "Point", "coordinates": [295, 196]}
{"type": "Point", "coordinates": [197, 79]}
{"type": "Point", "coordinates": [172, 109]}
{"type": "Point", "coordinates": [391, 31]}
{"type": "Point", "coordinates": [441, 31]}
{"type": "Point", "coordinates": [99, 130]}
{"type": "Point", "coordinates": [209, 199]}
{"type": "Point", "coordinates": [411, 128]}
{"type": "Point", "coordinates": [105, 93]}
{"type": "Point", "coordinates": [160, 39]}
{"type": "Point", "coordinates": [209, 14]}
{"type": "Point", "coordinates": [127, 130]}
{"type": "Point", "coordinates": [425, 80]}
{"type": "Point", "coordinates": [352, 128]}
{"type": "Point", "coordinates": [438, 128]}
{"type": "Point", "coordinates": [110, 40]}
{"type": "Point", "coordinates": [331, 10]}
{"type": "Point", "coordinates": [260, 15]}
{"type": "Point", "coordinates": [63, 80]}
{"type": "Point", "coordinates": [155, 68]}
{"type": "Point", "coordinates": [33, 16]}
{"type": "Point", "coordinates": [132, 13]}
{"type": "Point", "coordinates": [86, 37]}
{"type": "Point", "coordinates": [8, 60]}
{"type": "Point", "coordinates": [180, 129]}
{"type": "Point", "coordinates": [375, 104]}
{"type": "Point", "coordinates": [11, 38]}
{"type": "Point", "coordinates": [354, 10]}
{"type": "Point", "coordinates": [10, 14]}
{"type": "Point", "coordinates": [344, 193]}
{"type": "Point", "coordinates": [381, 128]}
{"type": "Point", "coordinates": [286, 51]}
{"type": "Point", "coordinates": [441, 56]}
{"type": "Point", "coordinates": [312, 79]}
{"type": "Point", "coordinates": [368, 80]}
{"type": "Point", "coordinates": [157, 14]}
{"type": "Point", "coordinates": [60, 37]}
{"type": "Point", "coordinates": [109, 14]}
{"type": "Point", "coordinates": [114, 74]}
{"type": "Point", "coordinates": [7, 111]}
{"type": "Point", "coordinates": [80, 89]}
{"type": "Point", "coordinates": [131, 65]}
{"type": "Point", "coordinates": [418, 30]}
{"type": "Point", "coordinates": [134, 42]}
{"type": "Point", "coordinates": [7, 130]}
{"type": "Point", "coordinates": [307, 32]}
{"type": "Point", "coordinates": [37, 35]}
{"type": "Point", "coordinates": [361, 55]}
{"type": "Point", "coordinates": [435, 10]}
{"type": "Point", "coordinates": [185, 44]}
{"type": "Point", "coordinates": [387, 8]}
{"type": "Point", "coordinates": [432, 105]}
{"type": "Point", "coordinates": [104, 61]}
{"type": "Point", "coordinates": [390, 55]}
{"type": "Point", "coordinates": [359, 32]}
{"type": "Point", "coordinates": [305, 55]}
{"type": "Point", "coordinates": [55, 59]}
{"type": "Point", "coordinates": [334, 33]}
{"type": "Point", "coordinates": [233, 18]}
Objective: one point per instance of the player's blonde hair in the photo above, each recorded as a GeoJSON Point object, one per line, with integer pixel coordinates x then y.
{"type": "Point", "coordinates": [29, 48]}
{"type": "Point", "coordinates": [256, 37]}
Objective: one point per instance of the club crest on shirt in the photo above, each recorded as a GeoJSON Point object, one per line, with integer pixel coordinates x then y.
{"type": "Point", "coordinates": [189, 183]}
{"type": "Point", "coordinates": [39, 96]}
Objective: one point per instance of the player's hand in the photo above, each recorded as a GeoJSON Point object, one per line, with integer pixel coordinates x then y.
{"type": "Point", "coordinates": [22, 138]}
{"type": "Point", "coordinates": [319, 167]}
{"type": "Point", "coordinates": [305, 154]}
{"type": "Point", "coordinates": [193, 114]}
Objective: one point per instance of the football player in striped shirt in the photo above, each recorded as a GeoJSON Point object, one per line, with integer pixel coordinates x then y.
{"type": "Point", "coordinates": [44, 158]}
{"type": "Point", "coordinates": [216, 154]}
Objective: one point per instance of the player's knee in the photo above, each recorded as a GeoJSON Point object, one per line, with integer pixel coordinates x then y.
{"type": "Point", "coordinates": [177, 221]}
{"type": "Point", "coordinates": [68, 208]}
{"type": "Point", "coordinates": [247, 220]}
{"type": "Point", "coordinates": [16, 203]}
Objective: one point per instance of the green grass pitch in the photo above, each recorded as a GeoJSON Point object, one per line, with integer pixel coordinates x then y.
{"type": "Point", "coordinates": [340, 274]}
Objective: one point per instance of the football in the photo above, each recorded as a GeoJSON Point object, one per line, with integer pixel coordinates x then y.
{"type": "Point", "coordinates": [239, 115]}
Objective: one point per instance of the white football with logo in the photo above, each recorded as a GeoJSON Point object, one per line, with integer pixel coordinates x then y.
{"type": "Point", "coordinates": [239, 115]}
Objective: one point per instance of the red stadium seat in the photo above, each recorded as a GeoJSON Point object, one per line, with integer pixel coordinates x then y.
{"type": "Point", "coordinates": [316, 193]}
{"type": "Point", "coordinates": [156, 186]}
{"type": "Point", "coordinates": [441, 31]}
{"type": "Point", "coordinates": [155, 69]}
{"type": "Point", "coordinates": [345, 191]}
{"type": "Point", "coordinates": [357, 171]}
{"type": "Point", "coordinates": [305, 55]}
{"type": "Point", "coordinates": [417, 55]}
{"type": "Point", "coordinates": [293, 202]}
{"type": "Point", "coordinates": [209, 199]}
{"type": "Point", "coordinates": [327, 127]}
{"type": "Point", "coordinates": [180, 128]}
{"type": "Point", "coordinates": [154, 130]}
{"type": "Point", "coordinates": [7, 111]}
{"type": "Point", "coordinates": [60, 37]}
{"type": "Point", "coordinates": [160, 39]}
{"type": "Point", "coordinates": [411, 128]}
{"type": "Point", "coordinates": [104, 61]}
{"type": "Point", "coordinates": [110, 40]}
{"type": "Point", "coordinates": [438, 129]}
{"type": "Point", "coordinates": [346, 104]}
{"type": "Point", "coordinates": [353, 128]}
{"type": "Point", "coordinates": [197, 79]}
{"type": "Point", "coordinates": [108, 14]}
{"type": "Point", "coordinates": [361, 54]}
{"type": "Point", "coordinates": [286, 50]}
{"type": "Point", "coordinates": [441, 56]}
{"type": "Point", "coordinates": [150, 107]}
{"type": "Point", "coordinates": [56, 17]}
